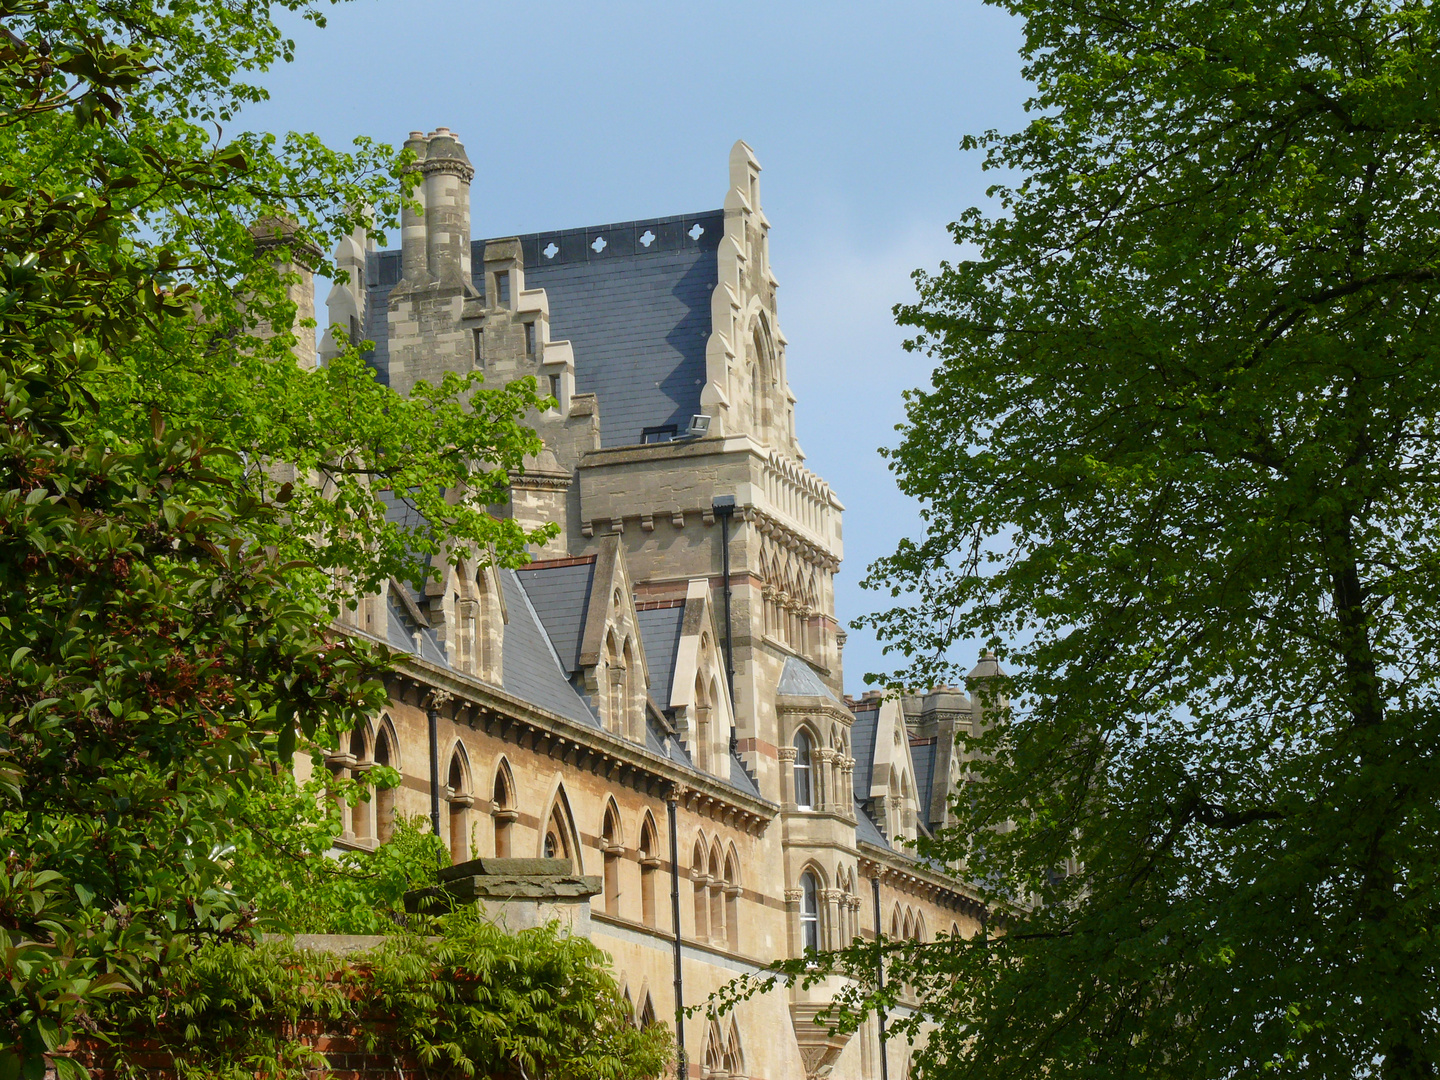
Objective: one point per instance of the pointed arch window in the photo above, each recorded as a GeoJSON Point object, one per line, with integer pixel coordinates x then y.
{"type": "Point", "coordinates": [717, 895]}
{"type": "Point", "coordinates": [502, 809]}
{"type": "Point", "coordinates": [385, 797]}
{"type": "Point", "coordinates": [558, 841]}
{"type": "Point", "coordinates": [809, 913]}
{"type": "Point", "coordinates": [734, 1055]}
{"type": "Point", "coordinates": [700, 881]}
{"type": "Point", "coordinates": [804, 780]}
{"type": "Point", "coordinates": [615, 687]}
{"type": "Point", "coordinates": [610, 843]}
{"type": "Point", "coordinates": [460, 802]}
{"type": "Point", "coordinates": [361, 820]}
{"type": "Point", "coordinates": [632, 715]}
{"type": "Point", "coordinates": [714, 1052]}
{"type": "Point", "coordinates": [732, 899]}
{"type": "Point", "coordinates": [702, 724]}
{"type": "Point", "coordinates": [649, 863]}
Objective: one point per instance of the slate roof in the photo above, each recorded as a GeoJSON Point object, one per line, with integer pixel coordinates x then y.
{"type": "Point", "coordinates": [798, 680]}
{"type": "Point", "coordinates": [865, 829]}
{"type": "Point", "coordinates": [637, 314]}
{"type": "Point", "coordinates": [530, 668]}
{"type": "Point", "coordinates": [560, 595]}
{"type": "Point", "coordinates": [660, 634]}
{"type": "Point", "coordinates": [403, 636]}
{"type": "Point", "coordinates": [862, 747]}
{"type": "Point", "coordinates": [923, 755]}
{"type": "Point", "coordinates": [740, 777]}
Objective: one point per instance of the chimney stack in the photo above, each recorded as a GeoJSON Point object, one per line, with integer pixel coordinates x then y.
{"type": "Point", "coordinates": [412, 224]}
{"type": "Point", "coordinates": [447, 173]}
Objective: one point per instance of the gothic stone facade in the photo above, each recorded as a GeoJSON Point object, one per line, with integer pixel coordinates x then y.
{"type": "Point", "coordinates": [578, 697]}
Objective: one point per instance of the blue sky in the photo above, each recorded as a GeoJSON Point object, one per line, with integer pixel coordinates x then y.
{"type": "Point", "coordinates": [579, 114]}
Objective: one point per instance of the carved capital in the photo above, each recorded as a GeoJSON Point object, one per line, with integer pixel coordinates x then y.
{"type": "Point", "coordinates": [787, 753]}
{"type": "Point", "coordinates": [794, 896]}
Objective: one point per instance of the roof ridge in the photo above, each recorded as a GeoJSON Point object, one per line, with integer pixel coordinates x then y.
{"type": "Point", "coordinates": [564, 560]}
{"type": "Point", "coordinates": [540, 624]}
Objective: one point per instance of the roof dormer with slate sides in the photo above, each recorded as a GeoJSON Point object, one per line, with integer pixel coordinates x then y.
{"type": "Point", "coordinates": [698, 697]}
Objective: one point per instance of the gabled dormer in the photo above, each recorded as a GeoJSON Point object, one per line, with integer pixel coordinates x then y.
{"type": "Point", "coordinates": [699, 695]}
{"type": "Point", "coordinates": [467, 611]}
{"type": "Point", "coordinates": [612, 658]}
{"type": "Point", "coordinates": [890, 791]}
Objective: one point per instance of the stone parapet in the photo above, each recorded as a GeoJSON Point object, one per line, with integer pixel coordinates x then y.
{"type": "Point", "coordinates": [515, 894]}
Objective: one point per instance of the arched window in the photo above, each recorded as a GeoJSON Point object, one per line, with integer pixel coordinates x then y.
{"type": "Point", "coordinates": [632, 716]}
{"type": "Point", "coordinates": [385, 797]}
{"type": "Point", "coordinates": [460, 802]}
{"type": "Point", "coordinates": [361, 823]}
{"type": "Point", "coordinates": [702, 725]}
{"type": "Point", "coordinates": [615, 687]}
{"type": "Point", "coordinates": [558, 841]}
{"type": "Point", "coordinates": [647, 1013]}
{"type": "Point", "coordinates": [804, 793]}
{"type": "Point", "coordinates": [717, 894]}
{"type": "Point", "coordinates": [714, 1052]}
{"type": "Point", "coordinates": [732, 898]}
{"type": "Point", "coordinates": [734, 1055]}
{"type": "Point", "coordinates": [649, 862]}
{"type": "Point", "coordinates": [699, 880]}
{"type": "Point", "coordinates": [610, 844]}
{"type": "Point", "coordinates": [502, 809]}
{"type": "Point", "coordinates": [809, 913]}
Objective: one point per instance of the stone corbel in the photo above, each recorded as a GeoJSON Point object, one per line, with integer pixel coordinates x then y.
{"type": "Point", "coordinates": [819, 1050]}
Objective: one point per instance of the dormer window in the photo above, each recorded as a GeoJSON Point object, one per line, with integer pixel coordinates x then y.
{"type": "Point", "coordinates": [529, 339]}
{"type": "Point", "coordinates": [665, 433]}
{"type": "Point", "coordinates": [502, 288]}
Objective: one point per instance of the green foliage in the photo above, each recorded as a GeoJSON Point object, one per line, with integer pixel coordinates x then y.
{"type": "Point", "coordinates": [471, 1001]}
{"type": "Point", "coordinates": [283, 865]}
{"type": "Point", "coordinates": [166, 601]}
{"type": "Point", "coordinates": [1178, 459]}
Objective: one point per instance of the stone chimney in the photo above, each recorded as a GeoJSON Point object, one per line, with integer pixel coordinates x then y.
{"type": "Point", "coordinates": [413, 268]}
{"type": "Point", "coordinates": [428, 335]}
{"type": "Point", "coordinates": [447, 173]}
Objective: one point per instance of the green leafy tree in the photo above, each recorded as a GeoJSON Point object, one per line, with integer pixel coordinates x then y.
{"type": "Point", "coordinates": [1178, 464]}
{"type": "Point", "coordinates": [165, 599]}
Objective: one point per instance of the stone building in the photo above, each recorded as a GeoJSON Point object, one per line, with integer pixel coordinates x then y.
{"type": "Point", "coordinates": [665, 676]}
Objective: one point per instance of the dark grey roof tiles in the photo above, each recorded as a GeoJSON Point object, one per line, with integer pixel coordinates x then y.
{"type": "Point", "coordinates": [560, 595]}
{"type": "Point", "coordinates": [530, 670]}
{"type": "Point", "coordinates": [660, 634]}
{"type": "Point", "coordinates": [741, 779]}
{"type": "Point", "coordinates": [923, 754]}
{"type": "Point", "coordinates": [636, 311]}
{"type": "Point", "coordinates": [403, 635]}
{"type": "Point", "coordinates": [862, 746]}
{"type": "Point", "coordinates": [865, 828]}
{"type": "Point", "coordinates": [798, 680]}
{"type": "Point", "coordinates": [636, 314]}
